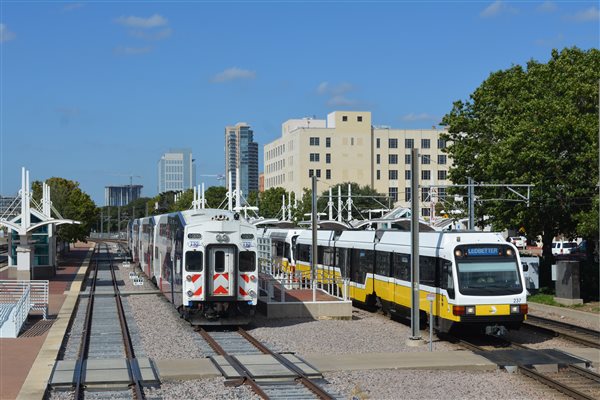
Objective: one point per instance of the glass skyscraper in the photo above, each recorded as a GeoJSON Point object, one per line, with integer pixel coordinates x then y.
{"type": "Point", "coordinates": [176, 171]}
{"type": "Point", "coordinates": [241, 152]}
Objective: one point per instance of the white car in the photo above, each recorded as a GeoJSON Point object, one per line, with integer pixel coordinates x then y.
{"type": "Point", "coordinates": [520, 242]}
{"type": "Point", "coordinates": [563, 247]}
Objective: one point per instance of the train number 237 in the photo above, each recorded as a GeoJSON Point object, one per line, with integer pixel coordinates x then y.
{"type": "Point", "coordinates": [516, 300]}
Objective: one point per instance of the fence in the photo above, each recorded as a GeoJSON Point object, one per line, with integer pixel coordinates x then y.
{"type": "Point", "coordinates": [11, 292]}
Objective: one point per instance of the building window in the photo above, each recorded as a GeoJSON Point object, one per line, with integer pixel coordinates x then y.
{"type": "Point", "coordinates": [425, 159]}
{"type": "Point", "coordinates": [314, 157]}
{"type": "Point", "coordinates": [327, 158]}
{"type": "Point", "coordinates": [425, 194]}
{"type": "Point", "coordinates": [393, 174]}
{"type": "Point", "coordinates": [425, 143]}
{"type": "Point", "coordinates": [378, 159]}
{"type": "Point", "coordinates": [407, 174]}
{"type": "Point", "coordinates": [344, 118]}
{"type": "Point", "coordinates": [407, 158]}
{"type": "Point", "coordinates": [311, 172]}
{"type": "Point", "coordinates": [441, 193]}
{"type": "Point", "coordinates": [393, 193]}
{"type": "Point", "coordinates": [425, 212]}
{"type": "Point", "coordinates": [327, 142]}
{"type": "Point", "coordinates": [441, 144]}
{"type": "Point", "coordinates": [393, 143]}
{"type": "Point", "coordinates": [442, 175]}
{"type": "Point", "coordinates": [378, 174]}
{"type": "Point", "coordinates": [407, 194]}
{"type": "Point", "coordinates": [393, 159]}
{"type": "Point", "coordinates": [442, 159]}
{"type": "Point", "coordinates": [314, 141]}
{"type": "Point", "coordinates": [378, 141]}
{"type": "Point", "coordinates": [318, 173]}
{"type": "Point", "coordinates": [425, 174]}
{"type": "Point", "coordinates": [327, 174]}
{"type": "Point", "coordinates": [351, 141]}
{"type": "Point", "coordinates": [409, 143]}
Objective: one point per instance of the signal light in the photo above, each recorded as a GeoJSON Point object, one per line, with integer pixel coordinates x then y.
{"type": "Point", "coordinates": [524, 308]}
{"type": "Point", "coordinates": [252, 278]}
{"type": "Point", "coordinates": [188, 278]}
{"type": "Point", "coordinates": [458, 310]}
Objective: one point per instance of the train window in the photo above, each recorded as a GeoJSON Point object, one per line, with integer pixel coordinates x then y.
{"type": "Point", "coordinates": [320, 251]}
{"type": "Point", "coordinates": [247, 261]}
{"type": "Point", "coordinates": [328, 256]}
{"type": "Point", "coordinates": [343, 260]}
{"type": "Point", "coordinates": [446, 281]}
{"type": "Point", "coordinates": [362, 264]}
{"type": "Point", "coordinates": [155, 252]}
{"type": "Point", "coordinates": [303, 252]}
{"type": "Point", "coordinates": [287, 251]}
{"type": "Point", "coordinates": [219, 261]}
{"type": "Point", "coordinates": [402, 266]}
{"type": "Point", "coordinates": [279, 249]}
{"type": "Point", "coordinates": [427, 270]}
{"type": "Point", "coordinates": [382, 265]}
{"type": "Point", "coordinates": [194, 261]}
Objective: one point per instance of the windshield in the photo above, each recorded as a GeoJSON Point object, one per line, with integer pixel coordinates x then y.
{"type": "Point", "coordinates": [489, 278]}
{"type": "Point", "coordinates": [569, 245]}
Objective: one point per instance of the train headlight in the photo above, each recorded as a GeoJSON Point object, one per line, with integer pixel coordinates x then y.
{"type": "Point", "coordinates": [252, 293]}
{"type": "Point", "coordinates": [252, 278]}
{"type": "Point", "coordinates": [188, 278]}
{"type": "Point", "coordinates": [458, 253]}
{"type": "Point", "coordinates": [470, 310]}
{"type": "Point", "coordinates": [509, 252]}
{"type": "Point", "coordinates": [225, 238]}
{"type": "Point", "coordinates": [219, 238]}
{"type": "Point", "coordinates": [515, 309]}
{"type": "Point", "coordinates": [190, 293]}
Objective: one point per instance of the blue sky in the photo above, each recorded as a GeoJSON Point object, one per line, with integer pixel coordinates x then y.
{"type": "Point", "coordinates": [95, 91]}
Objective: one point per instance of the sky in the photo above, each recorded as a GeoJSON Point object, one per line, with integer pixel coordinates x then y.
{"type": "Point", "coordinates": [96, 91]}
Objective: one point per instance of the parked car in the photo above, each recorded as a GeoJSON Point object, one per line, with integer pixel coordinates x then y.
{"type": "Point", "coordinates": [562, 247]}
{"type": "Point", "coordinates": [519, 241]}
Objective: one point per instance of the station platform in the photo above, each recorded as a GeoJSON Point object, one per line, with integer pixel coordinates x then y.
{"type": "Point", "coordinates": [26, 362]}
{"type": "Point", "coordinates": [298, 303]}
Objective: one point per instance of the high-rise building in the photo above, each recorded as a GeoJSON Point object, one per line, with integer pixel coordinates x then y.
{"type": "Point", "coordinates": [347, 148]}
{"type": "Point", "coordinates": [176, 171]}
{"type": "Point", "coordinates": [241, 153]}
{"type": "Point", "coordinates": [121, 195]}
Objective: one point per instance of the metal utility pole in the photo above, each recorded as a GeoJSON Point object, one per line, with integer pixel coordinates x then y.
{"type": "Point", "coordinates": [471, 195]}
{"type": "Point", "coordinates": [313, 261]}
{"type": "Point", "coordinates": [101, 221]}
{"type": "Point", "coordinates": [119, 221]}
{"type": "Point", "coordinates": [414, 252]}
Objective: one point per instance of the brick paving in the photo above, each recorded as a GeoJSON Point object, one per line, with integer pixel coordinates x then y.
{"type": "Point", "coordinates": [17, 355]}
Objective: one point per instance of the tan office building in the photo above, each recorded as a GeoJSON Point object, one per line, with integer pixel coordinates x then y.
{"type": "Point", "coordinates": [348, 148]}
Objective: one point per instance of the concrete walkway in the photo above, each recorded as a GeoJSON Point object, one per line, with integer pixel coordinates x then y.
{"type": "Point", "coordinates": [592, 318]}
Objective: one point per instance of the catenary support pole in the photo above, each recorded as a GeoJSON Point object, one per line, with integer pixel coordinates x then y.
{"type": "Point", "coordinates": [471, 192]}
{"type": "Point", "coordinates": [414, 252]}
{"type": "Point", "coordinates": [313, 260]}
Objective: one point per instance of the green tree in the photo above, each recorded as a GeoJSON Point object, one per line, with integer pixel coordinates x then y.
{"type": "Point", "coordinates": [215, 196]}
{"type": "Point", "coordinates": [184, 202]}
{"type": "Point", "coordinates": [536, 124]}
{"type": "Point", "coordinates": [270, 202]}
{"type": "Point", "coordinates": [72, 203]}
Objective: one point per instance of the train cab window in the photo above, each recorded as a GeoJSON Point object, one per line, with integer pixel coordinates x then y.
{"type": "Point", "coordinates": [287, 253]}
{"type": "Point", "coordinates": [402, 266]}
{"type": "Point", "coordinates": [194, 261]}
{"type": "Point", "coordinates": [382, 264]}
{"type": "Point", "coordinates": [219, 261]}
{"type": "Point", "coordinates": [427, 270]}
{"type": "Point", "coordinates": [446, 280]}
{"type": "Point", "coordinates": [247, 261]}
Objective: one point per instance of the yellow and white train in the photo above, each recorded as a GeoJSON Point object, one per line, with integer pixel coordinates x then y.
{"type": "Point", "coordinates": [476, 277]}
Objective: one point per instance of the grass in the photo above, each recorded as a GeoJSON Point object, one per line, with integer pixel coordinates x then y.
{"type": "Point", "coordinates": [543, 298]}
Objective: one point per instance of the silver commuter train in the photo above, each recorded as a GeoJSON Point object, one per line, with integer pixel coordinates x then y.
{"type": "Point", "coordinates": [203, 261]}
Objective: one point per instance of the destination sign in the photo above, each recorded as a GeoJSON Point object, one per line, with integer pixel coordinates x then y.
{"type": "Point", "coordinates": [194, 236]}
{"type": "Point", "coordinates": [482, 251]}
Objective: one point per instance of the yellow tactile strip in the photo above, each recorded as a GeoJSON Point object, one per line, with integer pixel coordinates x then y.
{"type": "Point", "coordinates": [36, 382]}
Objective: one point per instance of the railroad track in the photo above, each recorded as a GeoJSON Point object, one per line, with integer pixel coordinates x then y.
{"type": "Point", "coordinates": [236, 346]}
{"type": "Point", "coordinates": [587, 337]}
{"type": "Point", "coordinates": [104, 336]}
{"type": "Point", "coordinates": [569, 379]}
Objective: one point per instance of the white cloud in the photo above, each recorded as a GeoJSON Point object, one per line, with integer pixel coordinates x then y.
{"type": "Point", "coordinates": [547, 7]}
{"type": "Point", "coordinates": [233, 73]}
{"type": "Point", "coordinates": [591, 14]}
{"type": "Point", "coordinates": [418, 117]}
{"type": "Point", "coordinates": [5, 34]}
{"type": "Point", "coordinates": [72, 6]}
{"type": "Point", "coordinates": [132, 51]}
{"type": "Point", "coordinates": [496, 8]}
{"type": "Point", "coordinates": [158, 35]}
{"type": "Point", "coordinates": [322, 88]}
{"type": "Point", "coordinates": [140, 22]}
{"type": "Point", "coordinates": [341, 101]}
{"type": "Point", "coordinates": [337, 94]}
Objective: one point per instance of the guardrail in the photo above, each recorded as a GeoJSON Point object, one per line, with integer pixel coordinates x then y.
{"type": "Point", "coordinates": [12, 290]}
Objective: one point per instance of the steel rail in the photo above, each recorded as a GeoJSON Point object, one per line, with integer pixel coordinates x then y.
{"type": "Point", "coordinates": [302, 378]}
{"type": "Point", "coordinates": [132, 363]}
{"type": "Point", "coordinates": [540, 323]}
{"type": "Point", "coordinates": [246, 378]}
{"type": "Point", "coordinates": [85, 334]}
{"type": "Point", "coordinates": [576, 394]}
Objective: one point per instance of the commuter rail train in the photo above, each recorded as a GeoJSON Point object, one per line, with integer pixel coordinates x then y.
{"type": "Point", "coordinates": [476, 277]}
{"type": "Point", "coordinates": [203, 261]}
{"type": "Point", "coordinates": [283, 242]}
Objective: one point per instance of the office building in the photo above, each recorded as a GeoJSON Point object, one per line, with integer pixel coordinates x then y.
{"type": "Point", "coordinates": [176, 171]}
{"type": "Point", "coordinates": [241, 153]}
{"type": "Point", "coordinates": [121, 195]}
{"type": "Point", "coordinates": [346, 147]}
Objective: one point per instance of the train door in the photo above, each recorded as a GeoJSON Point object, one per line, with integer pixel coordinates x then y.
{"type": "Point", "coordinates": [221, 271]}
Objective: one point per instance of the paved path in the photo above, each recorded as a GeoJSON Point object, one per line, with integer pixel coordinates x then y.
{"type": "Point", "coordinates": [19, 355]}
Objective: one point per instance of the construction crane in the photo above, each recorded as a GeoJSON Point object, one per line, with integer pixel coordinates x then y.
{"type": "Point", "coordinates": [131, 176]}
{"type": "Point", "coordinates": [219, 177]}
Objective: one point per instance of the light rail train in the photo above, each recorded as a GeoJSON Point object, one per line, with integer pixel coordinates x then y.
{"type": "Point", "coordinates": [476, 277]}
{"type": "Point", "coordinates": [203, 261]}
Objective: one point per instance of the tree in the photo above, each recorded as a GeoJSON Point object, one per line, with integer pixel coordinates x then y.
{"type": "Point", "coordinates": [72, 203]}
{"type": "Point", "coordinates": [215, 196]}
{"type": "Point", "coordinates": [270, 202]}
{"type": "Point", "coordinates": [184, 202]}
{"type": "Point", "coordinates": [536, 124]}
